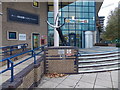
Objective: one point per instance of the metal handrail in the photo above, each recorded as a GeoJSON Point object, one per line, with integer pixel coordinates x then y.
{"type": "Point", "coordinates": [9, 61]}
{"type": "Point", "coordinates": [14, 47]}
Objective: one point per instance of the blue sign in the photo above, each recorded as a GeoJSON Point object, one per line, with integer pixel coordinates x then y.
{"type": "Point", "coordinates": [24, 17]}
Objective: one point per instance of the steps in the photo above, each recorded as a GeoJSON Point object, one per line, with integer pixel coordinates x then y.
{"type": "Point", "coordinates": [99, 62]}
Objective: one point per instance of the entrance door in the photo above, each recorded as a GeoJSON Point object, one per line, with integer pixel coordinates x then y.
{"type": "Point", "coordinates": [35, 40]}
{"type": "Point", "coordinates": [72, 39]}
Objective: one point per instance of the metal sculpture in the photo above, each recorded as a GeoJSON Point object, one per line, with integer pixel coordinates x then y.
{"type": "Point", "coordinates": [58, 28]}
{"type": "Point", "coordinates": [1, 13]}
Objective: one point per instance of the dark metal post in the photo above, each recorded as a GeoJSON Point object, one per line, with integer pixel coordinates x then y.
{"type": "Point", "coordinates": [12, 72]}
{"type": "Point", "coordinates": [8, 64]}
{"type": "Point", "coordinates": [34, 55]}
{"type": "Point", "coordinates": [11, 50]}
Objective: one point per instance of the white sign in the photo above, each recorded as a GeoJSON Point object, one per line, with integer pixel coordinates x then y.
{"type": "Point", "coordinates": [19, 47]}
{"type": "Point", "coordinates": [61, 51]}
{"type": "Point", "coordinates": [68, 51]}
{"type": "Point", "coordinates": [22, 37]}
{"type": "Point", "coordinates": [76, 20]}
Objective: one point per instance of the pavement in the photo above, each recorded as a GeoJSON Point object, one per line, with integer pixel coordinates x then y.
{"type": "Point", "coordinates": [106, 80]}
{"type": "Point", "coordinates": [102, 80]}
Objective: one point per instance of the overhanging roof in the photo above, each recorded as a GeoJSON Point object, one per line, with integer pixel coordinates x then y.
{"type": "Point", "coordinates": [98, 4]}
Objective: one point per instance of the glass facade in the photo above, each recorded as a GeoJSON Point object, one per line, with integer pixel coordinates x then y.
{"type": "Point", "coordinates": [80, 17]}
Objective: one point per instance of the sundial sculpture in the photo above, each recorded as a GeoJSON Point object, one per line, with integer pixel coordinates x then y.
{"type": "Point", "coordinates": [58, 28]}
{"type": "Point", "coordinates": [1, 13]}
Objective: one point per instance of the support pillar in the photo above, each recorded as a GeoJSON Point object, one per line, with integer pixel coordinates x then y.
{"type": "Point", "coordinates": [56, 35]}
{"type": "Point", "coordinates": [88, 39]}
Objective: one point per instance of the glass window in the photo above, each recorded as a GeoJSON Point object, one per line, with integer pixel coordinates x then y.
{"type": "Point", "coordinates": [50, 14]}
{"type": "Point", "coordinates": [65, 27]}
{"type": "Point", "coordinates": [71, 14]}
{"type": "Point", "coordinates": [85, 3]}
{"type": "Point", "coordinates": [91, 3]}
{"type": "Point", "coordinates": [11, 35]}
{"type": "Point", "coordinates": [72, 31]}
{"type": "Point", "coordinates": [51, 20]}
{"type": "Point", "coordinates": [72, 3]}
{"type": "Point", "coordinates": [64, 8]}
{"type": "Point", "coordinates": [91, 21]}
{"type": "Point", "coordinates": [79, 3]}
{"type": "Point", "coordinates": [65, 14]}
{"type": "Point", "coordinates": [85, 15]}
{"type": "Point", "coordinates": [78, 9]}
{"type": "Point", "coordinates": [78, 27]}
{"type": "Point", "coordinates": [91, 27]}
{"type": "Point", "coordinates": [78, 15]}
{"type": "Point", "coordinates": [72, 26]}
{"type": "Point", "coordinates": [71, 8]}
{"type": "Point", "coordinates": [84, 27]}
{"type": "Point", "coordinates": [49, 27]}
{"type": "Point", "coordinates": [91, 9]}
{"type": "Point", "coordinates": [91, 15]}
{"type": "Point", "coordinates": [85, 9]}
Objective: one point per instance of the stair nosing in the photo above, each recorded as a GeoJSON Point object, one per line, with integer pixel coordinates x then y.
{"type": "Point", "coordinates": [110, 64]}
{"type": "Point", "coordinates": [100, 70]}
{"type": "Point", "coordinates": [97, 61]}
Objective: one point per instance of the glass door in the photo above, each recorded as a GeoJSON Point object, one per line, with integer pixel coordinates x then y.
{"type": "Point", "coordinates": [36, 40]}
{"type": "Point", "coordinates": [72, 39]}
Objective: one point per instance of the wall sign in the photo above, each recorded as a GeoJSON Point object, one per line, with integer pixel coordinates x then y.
{"type": "Point", "coordinates": [22, 37]}
{"type": "Point", "coordinates": [35, 3]}
{"type": "Point", "coordinates": [62, 51]}
{"type": "Point", "coordinates": [76, 21]}
{"type": "Point", "coordinates": [24, 17]}
{"type": "Point", "coordinates": [12, 35]}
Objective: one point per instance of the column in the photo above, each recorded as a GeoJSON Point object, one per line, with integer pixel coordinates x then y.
{"type": "Point", "coordinates": [88, 39]}
{"type": "Point", "coordinates": [56, 35]}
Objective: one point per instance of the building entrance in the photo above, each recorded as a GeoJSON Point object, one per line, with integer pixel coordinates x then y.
{"type": "Point", "coordinates": [35, 40]}
{"type": "Point", "coordinates": [72, 39]}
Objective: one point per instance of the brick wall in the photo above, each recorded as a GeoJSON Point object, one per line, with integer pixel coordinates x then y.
{"type": "Point", "coordinates": [23, 28]}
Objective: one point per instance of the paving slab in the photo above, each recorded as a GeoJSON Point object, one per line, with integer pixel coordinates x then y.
{"type": "Point", "coordinates": [104, 83]}
{"type": "Point", "coordinates": [70, 82]}
{"type": "Point", "coordinates": [115, 84]}
{"type": "Point", "coordinates": [64, 86]}
{"type": "Point", "coordinates": [58, 80]}
{"type": "Point", "coordinates": [89, 78]}
{"type": "Point", "coordinates": [114, 76]}
{"type": "Point", "coordinates": [48, 84]}
{"type": "Point", "coordinates": [84, 85]}
{"type": "Point", "coordinates": [75, 76]}
{"type": "Point", "coordinates": [104, 76]}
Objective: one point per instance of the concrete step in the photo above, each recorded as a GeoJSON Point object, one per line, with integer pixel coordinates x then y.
{"type": "Point", "coordinates": [99, 70]}
{"type": "Point", "coordinates": [97, 65]}
{"type": "Point", "coordinates": [101, 53]}
{"type": "Point", "coordinates": [98, 60]}
{"type": "Point", "coordinates": [99, 56]}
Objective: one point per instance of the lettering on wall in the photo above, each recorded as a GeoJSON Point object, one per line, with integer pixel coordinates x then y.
{"type": "Point", "coordinates": [21, 16]}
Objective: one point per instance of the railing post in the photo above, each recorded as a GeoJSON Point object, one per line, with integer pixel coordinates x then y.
{"type": "Point", "coordinates": [11, 50]}
{"type": "Point", "coordinates": [12, 70]}
{"type": "Point", "coordinates": [8, 64]}
{"type": "Point", "coordinates": [42, 48]}
{"type": "Point", "coordinates": [34, 58]}
{"type": "Point", "coordinates": [34, 55]}
{"type": "Point", "coordinates": [23, 47]}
